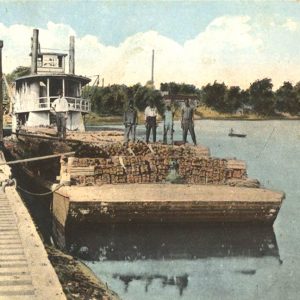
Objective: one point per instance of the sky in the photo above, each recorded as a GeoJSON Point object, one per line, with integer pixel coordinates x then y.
{"type": "Point", "coordinates": [196, 42]}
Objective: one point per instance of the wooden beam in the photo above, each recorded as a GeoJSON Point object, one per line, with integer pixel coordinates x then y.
{"type": "Point", "coordinates": [13, 162]}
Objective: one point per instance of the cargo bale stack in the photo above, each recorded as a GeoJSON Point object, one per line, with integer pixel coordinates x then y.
{"type": "Point", "coordinates": [115, 164]}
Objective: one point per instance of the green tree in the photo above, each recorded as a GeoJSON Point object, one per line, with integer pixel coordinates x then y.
{"type": "Point", "coordinates": [286, 99]}
{"type": "Point", "coordinates": [145, 95]}
{"type": "Point", "coordinates": [261, 96]}
{"type": "Point", "coordinates": [233, 99]}
{"type": "Point", "coordinates": [213, 95]}
{"type": "Point", "coordinates": [18, 72]}
{"type": "Point", "coordinates": [178, 88]}
{"type": "Point", "coordinates": [114, 99]}
{"type": "Point", "coordinates": [297, 99]}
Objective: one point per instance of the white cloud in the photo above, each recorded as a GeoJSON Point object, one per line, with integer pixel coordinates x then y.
{"type": "Point", "coordinates": [228, 50]}
{"type": "Point", "coordinates": [291, 25]}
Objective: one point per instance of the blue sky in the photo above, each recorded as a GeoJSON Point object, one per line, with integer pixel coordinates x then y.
{"type": "Point", "coordinates": [195, 41]}
{"type": "Point", "coordinates": [113, 21]}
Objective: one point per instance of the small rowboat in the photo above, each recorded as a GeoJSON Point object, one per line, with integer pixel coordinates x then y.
{"type": "Point", "coordinates": [232, 134]}
{"type": "Point", "coordinates": [241, 135]}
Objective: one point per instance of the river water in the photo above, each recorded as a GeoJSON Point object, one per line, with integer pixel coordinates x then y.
{"type": "Point", "coordinates": [192, 262]}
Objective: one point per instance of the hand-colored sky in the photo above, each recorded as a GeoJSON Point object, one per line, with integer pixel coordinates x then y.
{"type": "Point", "coordinates": [195, 41]}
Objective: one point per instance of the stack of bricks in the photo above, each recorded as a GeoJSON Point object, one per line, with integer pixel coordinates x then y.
{"type": "Point", "coordinates": [153, 166]}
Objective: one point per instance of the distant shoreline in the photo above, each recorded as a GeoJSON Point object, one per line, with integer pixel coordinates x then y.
{"type": "Point", "coordinates": [118, 120]}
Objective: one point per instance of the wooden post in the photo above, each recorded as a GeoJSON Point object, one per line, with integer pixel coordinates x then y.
{"type": "Point", "coordinates": [48, 93]}
{"type": "Point", "coordinates": [34, 51]}
{"type": "Point", "coordinates": [72, 55]}
{"type": "Point", "coordinates": [1, 95]}
{"type": "Point", "coordinates": [63, 87]}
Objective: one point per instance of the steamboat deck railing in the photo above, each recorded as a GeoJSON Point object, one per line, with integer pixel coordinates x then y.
{"type": "Point", "coordinates": [44, 104]}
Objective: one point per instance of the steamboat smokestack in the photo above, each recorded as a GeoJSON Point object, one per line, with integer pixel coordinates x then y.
{"type": "Point", "coordinates": [152, 68]}
{"type": "Point", "coordinates": [34, 51]}
{"type": "Point", "coordinates": [72, 55]}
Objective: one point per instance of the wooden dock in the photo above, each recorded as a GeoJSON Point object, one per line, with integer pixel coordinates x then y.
{"type": "Point", "coordinates": [25, 271]}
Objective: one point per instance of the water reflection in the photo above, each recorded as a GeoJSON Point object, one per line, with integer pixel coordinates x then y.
{"type": "Point", "coordinates": [131, 254]}
{"type": "Point", "coordinates": [181, 282]}
{"type": "Point", "coordinates": [163, 242]}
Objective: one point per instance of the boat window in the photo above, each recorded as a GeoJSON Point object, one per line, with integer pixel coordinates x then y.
{"type": "Point", "coordinates": [43, 88]}
{"type": "Point", "coordinates": [55, 86]}
{"type": "Point", "coordinates": [60, 59]}
{"type": "Point", "coordinates": [39, 61]}
{"type": "Point", "coordinates": [72, 88]}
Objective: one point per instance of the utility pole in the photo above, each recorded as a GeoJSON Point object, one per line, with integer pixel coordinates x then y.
{"type": "Point", "coordinates": [152, 68]}
{"type": "Point", "coordinates": [1, 96]}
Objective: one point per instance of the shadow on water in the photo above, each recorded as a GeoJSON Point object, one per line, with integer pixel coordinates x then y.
{"type": "Point", "coordinates": [156, 243]}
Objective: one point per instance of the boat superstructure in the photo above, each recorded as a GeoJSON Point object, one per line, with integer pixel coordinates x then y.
{"type": "Point", "coordinates": [34, 93]}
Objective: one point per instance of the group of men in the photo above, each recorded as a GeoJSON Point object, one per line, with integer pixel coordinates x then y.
{"type": "Point", "coordinates": [151, 114]}
{"type": "Point", "coordinates": [60, 108]}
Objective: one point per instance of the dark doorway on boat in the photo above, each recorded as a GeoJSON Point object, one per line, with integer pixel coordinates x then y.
{"type": "Point", "coordinates": [56, 86]}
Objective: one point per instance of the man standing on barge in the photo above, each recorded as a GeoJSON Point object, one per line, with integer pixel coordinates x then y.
{"type": "Point", "coordinates": [187, 121]}
{"type": "Point", "coordinates": [150, 121]}
{"type": "Point", "coordinates": [130, 122]}
{"type": "Point", "coordinates": [61, 107]}
{"type": "Point", "coordinates": [168, 124]}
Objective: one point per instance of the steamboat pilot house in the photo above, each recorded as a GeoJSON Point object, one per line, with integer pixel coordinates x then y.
{"type": "Point", "coordinates": [36, 92]}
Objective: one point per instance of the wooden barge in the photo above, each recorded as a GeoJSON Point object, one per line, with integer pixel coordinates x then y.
{"type": "Point", "coordinates": [108, 182]}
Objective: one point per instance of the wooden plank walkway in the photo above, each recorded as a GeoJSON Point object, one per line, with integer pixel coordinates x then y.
{"type": "Point", "coordinates": [25, 271]}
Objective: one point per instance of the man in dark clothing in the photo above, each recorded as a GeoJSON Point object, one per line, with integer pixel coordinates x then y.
{"type": "Point", "coordinates": [130, 122]}
{"type": "Point", "coordinates": [187, 121]}
{"type": "Point", "coordinates": [150, 120]}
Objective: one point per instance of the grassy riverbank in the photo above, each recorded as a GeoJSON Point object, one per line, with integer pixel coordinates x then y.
{"type": "Point", "coordinates": [201, 113]}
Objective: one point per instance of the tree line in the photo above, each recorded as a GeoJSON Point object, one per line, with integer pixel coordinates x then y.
{"type": "Point", "coordinates": [113, 99]}
{"type": "Point", "coordinates": [259, 98]}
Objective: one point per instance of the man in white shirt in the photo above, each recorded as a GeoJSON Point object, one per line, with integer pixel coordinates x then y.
{"type": "Point", "coordinates": [150, 121]}
{"type": "Point", "coordinates": [61, 108]}
{"type": "Point", "coordinates": [168, 124]}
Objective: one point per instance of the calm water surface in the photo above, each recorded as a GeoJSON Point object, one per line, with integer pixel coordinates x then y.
{"type": "Point", "coordinates": [192, 262]}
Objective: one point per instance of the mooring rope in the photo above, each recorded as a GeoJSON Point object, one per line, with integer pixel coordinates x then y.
{"type": "Point", "coordinates": [39, 194]}
{"type": "Point", "coordinates": [266, 143]}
